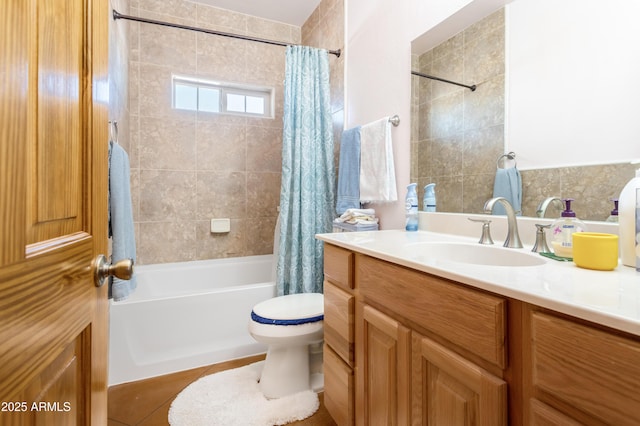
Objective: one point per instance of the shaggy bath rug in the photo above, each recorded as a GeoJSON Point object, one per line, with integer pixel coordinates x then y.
{"type": "Point", "coordinates": [233, 398]}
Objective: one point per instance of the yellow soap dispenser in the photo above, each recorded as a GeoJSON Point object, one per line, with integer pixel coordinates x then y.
{"type": "Point", "coordinates": [562, 231]}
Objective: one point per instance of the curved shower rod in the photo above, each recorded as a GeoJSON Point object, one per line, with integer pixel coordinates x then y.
{"type": "Point", "coordinates": [118, 15]}
{"type": "Point", "coordinates": [419, 74]}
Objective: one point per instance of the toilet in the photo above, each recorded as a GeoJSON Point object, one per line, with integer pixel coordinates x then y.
{"type": "Point", "coordinates": [292, 327]}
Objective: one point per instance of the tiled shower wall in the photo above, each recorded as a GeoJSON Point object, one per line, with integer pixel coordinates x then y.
{"type": "Point", "coordinates": [188, 167]}
{"type": "Point", "coordinates": [458, 135]}
{"type": "Point", "coordinates": [119, 74]}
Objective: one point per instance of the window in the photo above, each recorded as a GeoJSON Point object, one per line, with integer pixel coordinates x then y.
{"type": "Point", "coordinates": [226, 98]}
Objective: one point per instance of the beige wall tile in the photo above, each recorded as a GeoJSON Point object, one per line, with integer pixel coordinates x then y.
{"type": "Point", "coordinates": [263, 194]}
{"type": "Point", "coordinates": [221, 195]}
{"type": "Point", "coordinates": [219, 245]}
{"type": "Point", "coordinates": [162, 242]}
{"type": "Point", "coordinates": [188, 167]}
{"type": "Point", "coordinates": [168, 47]}
{"type": "Point", "coordinates": [264, 149]}
{"type": "Point", "coordinates": [167, 143]}
{"type": "Point", "coordinates": [167, 195]}
{"type": "Point", "coordinates": [221, 147]}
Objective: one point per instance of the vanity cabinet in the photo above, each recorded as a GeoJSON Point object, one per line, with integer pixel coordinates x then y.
{"type": "Point", "coordinates": [339, 315]}
{"type": "Point", "coordinates": [405, 347]}
{"type": "Point", "coordinates": [422, 347]}
{"type": "Point", "coordinates": [579, 373]}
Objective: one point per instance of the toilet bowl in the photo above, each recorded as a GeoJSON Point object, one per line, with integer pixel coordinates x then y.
{"type": "Point", "coordinates": [290, 325]}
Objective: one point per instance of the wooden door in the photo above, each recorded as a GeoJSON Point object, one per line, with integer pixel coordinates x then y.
{"type": "Point", "coordinates": [454, 391]}
{"type": "Point", "coordinates": [384, 365]}
{"type": "Point", "coordinates": [53, 211]}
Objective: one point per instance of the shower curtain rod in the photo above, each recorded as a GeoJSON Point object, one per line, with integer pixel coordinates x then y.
{"type": "Point", "coordinates": [117, 15]}
{"type": "Point", "coordinates": [472, 87]}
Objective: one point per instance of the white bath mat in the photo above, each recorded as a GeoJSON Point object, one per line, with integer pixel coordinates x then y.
{"type": "Point", "coordinates": [233, 398]}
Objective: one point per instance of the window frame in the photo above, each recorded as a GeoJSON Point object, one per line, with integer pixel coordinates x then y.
{"type": "Point", "coordinates": [225, 88]}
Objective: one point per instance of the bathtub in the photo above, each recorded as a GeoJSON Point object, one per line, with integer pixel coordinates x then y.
{"type": "Point", "coordinates": [187, 315]}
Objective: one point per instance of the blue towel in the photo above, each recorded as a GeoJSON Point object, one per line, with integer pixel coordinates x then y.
{"type": "Point", "coordinates": [120, 219]}
{"type": "Point", "coordinates": [508, 184]}
{"type": "Point", "coordinates": [348, 194]}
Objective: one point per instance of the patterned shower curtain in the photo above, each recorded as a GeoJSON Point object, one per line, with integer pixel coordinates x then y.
{"type": "Point", "coordinates": [308, 177]}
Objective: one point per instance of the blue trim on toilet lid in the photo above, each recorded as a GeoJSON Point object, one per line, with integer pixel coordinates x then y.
{"type": "Point", "coordinates": [263, 320]}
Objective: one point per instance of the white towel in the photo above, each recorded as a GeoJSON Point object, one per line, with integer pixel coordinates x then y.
{"type": "Point", "coordinates": [358, 216]}
{"type": "Point", "coordinates": [377, 172]}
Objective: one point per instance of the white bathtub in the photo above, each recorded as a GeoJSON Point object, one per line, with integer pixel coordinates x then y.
{"type": "Point", "coordinates": [187, 315]}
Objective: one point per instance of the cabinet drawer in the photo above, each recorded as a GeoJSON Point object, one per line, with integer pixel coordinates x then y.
{"type": "Point", "coordinates": [470, 319]}
{"type": "Point", "coordinates": [586, 368]}
{"type": "Point", "coordinates": [338, 266]}
{"type": "Point", "coordinates": [338, 321]}
{"type": "Point", "coordinates": [338, 388]}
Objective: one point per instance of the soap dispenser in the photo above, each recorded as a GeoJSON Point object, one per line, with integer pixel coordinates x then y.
{"type": "Point", "coordinates": [613, 216]}
{"type": "Point", "coordinates": [562, 231]}
{"type": "Point", "coordinates": [411, 207]}
{"type": "Point", "coordinates": [429, 201]}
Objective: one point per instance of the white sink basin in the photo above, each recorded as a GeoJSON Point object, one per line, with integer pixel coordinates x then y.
{"type": "Point", "coordinates": [475, 254]}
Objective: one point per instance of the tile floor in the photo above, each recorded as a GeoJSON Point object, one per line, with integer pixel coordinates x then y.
{"type": "Point", "coordinates": [147, 402]}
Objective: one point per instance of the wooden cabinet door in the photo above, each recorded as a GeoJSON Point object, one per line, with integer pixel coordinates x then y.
{"type": "Point", "coordinates": [338, 388]}
{"type": "Point", "coordinates": [383, 370]}
{"type": "Point", "coordinates": [543, 415]}
{"type": "Point", "coordinates": [53, 211]}
{"type": "Point", "coordinates": [453, 391]}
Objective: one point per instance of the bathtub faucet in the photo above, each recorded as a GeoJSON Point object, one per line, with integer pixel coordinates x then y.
{"type": "Point", "coordinates": [513, 238]}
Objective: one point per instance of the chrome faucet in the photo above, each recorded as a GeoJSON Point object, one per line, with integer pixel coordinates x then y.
{"type": "Point", "coordinates": [544, 205]}
{"type": "Point", "coordinates": [513, 238]}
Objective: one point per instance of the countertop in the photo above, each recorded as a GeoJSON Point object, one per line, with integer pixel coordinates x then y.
{"type": "Point", "coordinates": [610, 298]}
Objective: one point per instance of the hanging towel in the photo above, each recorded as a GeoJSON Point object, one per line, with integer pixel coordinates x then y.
{"type": "Point", "coordinates": [377, 172]}
{"type": "Point", "coordinates": [348, 196]}
{"type": "Point", "coordinates": [508, 184]}
{"type": "Point", "coordinates": [120, 219]}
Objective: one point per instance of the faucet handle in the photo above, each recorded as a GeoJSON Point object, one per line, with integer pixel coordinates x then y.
{"type": "Point", "coordinates": [541, 240]}
{"type": "Point", "coordinates": [486, 231]}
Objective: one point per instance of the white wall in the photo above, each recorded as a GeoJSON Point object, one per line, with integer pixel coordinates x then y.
{"type": "Point", "coordinates": [378, 83]}
{"type": "Point", "coordinates": [378, 37]}
{"type": "Point", "coordinates": [573, 83]}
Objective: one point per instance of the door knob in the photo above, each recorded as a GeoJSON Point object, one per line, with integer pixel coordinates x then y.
{"type": "Point", "coordinates": [102, 269]}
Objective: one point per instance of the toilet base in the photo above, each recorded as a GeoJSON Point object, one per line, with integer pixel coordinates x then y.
{"type": "Point", "coordinates": [285, 371]}
{"type": "Point", "coordinates": [317, 382]}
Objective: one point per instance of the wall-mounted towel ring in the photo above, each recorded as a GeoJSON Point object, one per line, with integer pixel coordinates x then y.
{"type": "Point", "coordinates": [509, 156]}
{"type": "Point", "coordinates": [113, 131]}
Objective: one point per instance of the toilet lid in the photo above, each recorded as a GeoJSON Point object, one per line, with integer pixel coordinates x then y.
{"type": "Point", "coordinates": [292, 309]}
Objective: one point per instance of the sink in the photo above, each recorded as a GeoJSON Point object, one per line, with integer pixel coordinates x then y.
{"type": "Point", "coordinates": [472, 253]}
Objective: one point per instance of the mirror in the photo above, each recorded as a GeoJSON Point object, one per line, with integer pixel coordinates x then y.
{"type": "Point", "coordinates": [459, 135]}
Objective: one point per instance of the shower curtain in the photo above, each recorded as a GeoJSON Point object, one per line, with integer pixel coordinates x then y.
{"type": "Point", "coordinates": [308, 177]}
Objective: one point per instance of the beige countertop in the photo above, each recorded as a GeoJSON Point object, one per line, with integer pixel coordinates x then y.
{"type": "Point", "coordinates": [610, 298]}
